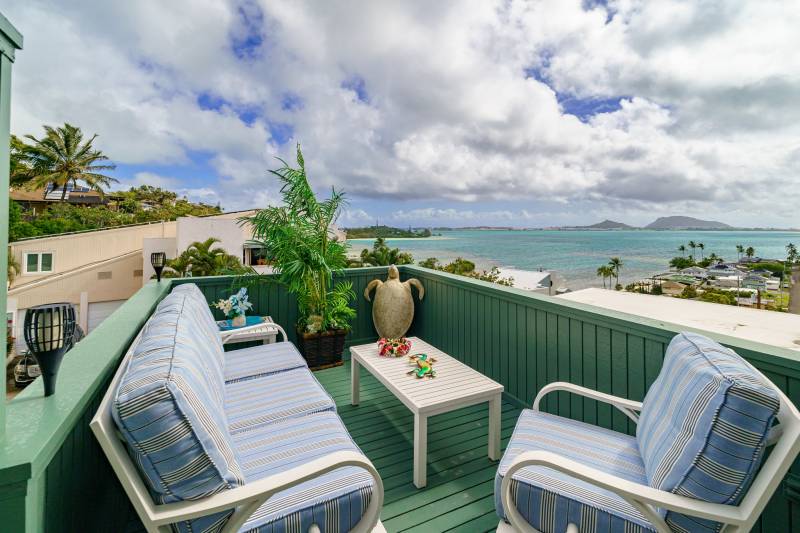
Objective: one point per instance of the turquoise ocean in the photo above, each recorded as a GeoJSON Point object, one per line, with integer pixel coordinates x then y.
{"type": "Point", "coordinates": [577, 254]}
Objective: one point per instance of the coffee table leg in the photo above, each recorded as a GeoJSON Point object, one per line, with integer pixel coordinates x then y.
{"type": "Point", "coordinates": [355, 374]}
{"type": "Point", "coordinates": [420, 450]}
{"type": "Point", "coordinates": [494, 427]}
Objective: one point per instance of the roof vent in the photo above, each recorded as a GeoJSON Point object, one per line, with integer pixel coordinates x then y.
{"type": "Point", "coordinates": [104, 275]}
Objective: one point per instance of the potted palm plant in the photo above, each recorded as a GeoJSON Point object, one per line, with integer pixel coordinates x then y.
{"type": "Point", "coordinates": [306, 256]}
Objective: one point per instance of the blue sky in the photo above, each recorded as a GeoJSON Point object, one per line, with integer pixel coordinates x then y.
{"type": "Point", "coordinates": [520, 113]}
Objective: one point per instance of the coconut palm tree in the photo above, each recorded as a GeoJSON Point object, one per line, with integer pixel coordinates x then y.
{"type": "Point", "coordinates": [739, 252]}
{"type": "Point", "coordinates": [702, 247]}
{"type": "Point", "coordinates": [682, 250]}
{"type": "Point", "coordinates": [692, 245]}
{"type": "Point", "coordinates": [616, 265]}
{"type": "Point", "coordinates": [61, 158]}
{"type": "Point", "coordinates": [382, 255]}
{"type": "Point", "coordinates": [750, 252]}
{"type": "Point", "coordinates": [605, 271]}
{"type": "Point", "coordinates": [13, 267]}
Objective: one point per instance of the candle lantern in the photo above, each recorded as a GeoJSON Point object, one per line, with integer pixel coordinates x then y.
{"type": "Point", "coordinates": [49, 332]}
{"type": "Point", "coordinates": [158, 260]}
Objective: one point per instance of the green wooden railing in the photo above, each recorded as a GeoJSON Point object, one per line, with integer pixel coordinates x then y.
{"type": "Point", "coordinates": [53, 476]}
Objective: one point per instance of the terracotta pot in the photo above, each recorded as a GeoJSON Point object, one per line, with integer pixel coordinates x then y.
{"type": "Point", "coordinates": [322, 350]}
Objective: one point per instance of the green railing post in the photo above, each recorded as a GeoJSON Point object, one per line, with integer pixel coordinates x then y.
{"type": "Point", "coordinates": [10, 41]}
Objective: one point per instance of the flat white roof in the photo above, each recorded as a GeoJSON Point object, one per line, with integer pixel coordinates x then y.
{"type": "Point", "coordinates": [768, 327]}
{"type": "Point", "coordinates": [525, 279]}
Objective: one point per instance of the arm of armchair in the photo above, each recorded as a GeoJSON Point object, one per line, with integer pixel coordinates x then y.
{"type": "Point", "coordinates": [231, 334]}
{"type": "Point", "coordinates": [629, 408]}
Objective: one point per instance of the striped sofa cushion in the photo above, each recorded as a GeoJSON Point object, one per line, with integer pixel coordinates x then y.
{"type": "Point", "coordinates": [262, 360]}
{"type": "Point", "coordinates": [549, 500]}
{"type": "Point", "coordinates": [704, 425]}
{"type": "Point", "coordinates": [202, 312]}
{"type": "Point", "coordinates": [335, 501]}
{"type": "Point", "coordinates": [169, 407]}
{"type": "Point", "coordinates": [255, 402]}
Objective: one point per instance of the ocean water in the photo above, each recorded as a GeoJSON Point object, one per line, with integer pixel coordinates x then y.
{"type": "Point", "coordinates": [577, 254]}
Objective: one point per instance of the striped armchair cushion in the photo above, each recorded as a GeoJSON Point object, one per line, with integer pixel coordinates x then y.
{"type": "Point", "coordinates": [335, 501]}
{"type": "Point", "coordinates": [704, 425]}
{"type": "Point", "coordinates": [169, 407]}
{"type": "Point", "coordinates": [202, 312]}
{"type": "Point", "coordinates": [549, 500]}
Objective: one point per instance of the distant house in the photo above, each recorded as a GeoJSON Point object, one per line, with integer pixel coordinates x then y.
{"type": "Point", "coordinates": [750, 260]}
{"type": "Point", "coordinates": [39, 199]}
{"type": "Point", "coordinates": [752, 281]}
{"type": "Point", "coordinates": [762, 272]}
{"type": "Point", "coordinates": [723, 270]}
{"type": "Point", "coordinates": [695, 271]}
{"type": "Point", "coordinates": [672, 288]}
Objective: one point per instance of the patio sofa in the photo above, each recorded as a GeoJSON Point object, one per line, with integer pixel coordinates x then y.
{"type": "Point", "coordinates": [205, 440]}
{"type": "Point", "coordinates": [694, 464]}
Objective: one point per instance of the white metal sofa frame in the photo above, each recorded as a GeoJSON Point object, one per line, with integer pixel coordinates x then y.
{"type": "Point", "coordinates": [737, 518]}
{"type": "Point", "coordinates": [246, 499]}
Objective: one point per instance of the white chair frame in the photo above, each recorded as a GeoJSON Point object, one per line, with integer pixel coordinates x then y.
{"type": "Point", "coordinates": [245, 500]}
{"type": "Point", "coordinates": [232, 334]}
{"type": "Point", "coordinates": [785, 437]}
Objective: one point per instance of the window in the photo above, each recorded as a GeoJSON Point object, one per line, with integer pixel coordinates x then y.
{"type": "Point", "coordinates": [38, 262]}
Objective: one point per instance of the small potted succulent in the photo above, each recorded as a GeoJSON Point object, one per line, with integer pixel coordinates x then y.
{"type": "Point", "coordinates": [306, 256]}
{"type": "Point", "coordinates": [236, 306]}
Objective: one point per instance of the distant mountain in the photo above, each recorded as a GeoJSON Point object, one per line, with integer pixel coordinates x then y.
{"type": "Point", "coordinates": [686, 223]}
{"type": "Point", "coordinates": [609, 224]}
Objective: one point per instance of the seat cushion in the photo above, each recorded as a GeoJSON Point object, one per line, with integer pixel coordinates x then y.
{"type": "Point", "coordinates": [549, 500]}
{"type": "Point", "coordinates": [268, 399]}
{"type": "Point", "coordinates": [169, 407]}
{"type": "Point", "coordinates": [262, 360]}
{"type": "Point", "coordinates": [704, 425]}
{"type": "Point", "coordinates": [334, 501]}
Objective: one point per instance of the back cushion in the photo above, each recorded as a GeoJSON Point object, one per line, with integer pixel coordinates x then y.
{"type": "Point", "coordinates": [169, 407]}
{"type": "Point", "coordinates": [704, 423]}
{"type": "Point", "coordinates": [202, 312]}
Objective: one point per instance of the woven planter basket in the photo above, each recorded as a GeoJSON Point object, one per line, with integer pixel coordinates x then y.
{"type": "Point", "coordinates": [322, 350]}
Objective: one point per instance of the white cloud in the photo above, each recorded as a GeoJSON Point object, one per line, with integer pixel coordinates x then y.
{"type": "Point", "coordinates": [708, 120]}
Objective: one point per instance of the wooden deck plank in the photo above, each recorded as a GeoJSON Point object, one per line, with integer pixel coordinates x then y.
{"type": "Point", "coordinates": [460, 491]}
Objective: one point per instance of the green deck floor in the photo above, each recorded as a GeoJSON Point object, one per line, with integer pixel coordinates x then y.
{"type": "Point", "coordinates": [460, 491]}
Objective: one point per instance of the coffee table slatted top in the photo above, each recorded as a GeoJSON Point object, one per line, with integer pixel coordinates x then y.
{"type": "Point", "coordinates": [455, 382]}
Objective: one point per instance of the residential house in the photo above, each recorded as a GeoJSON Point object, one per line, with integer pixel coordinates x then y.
{"type": "Point", "coordinates": [695, 271]}
{"type": "Point", "coordinates": [38, 200]}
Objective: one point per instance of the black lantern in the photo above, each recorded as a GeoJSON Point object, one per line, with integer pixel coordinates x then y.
{"type": "Point", "coordinates": [158, 260]}
{"type": "Point", "coordinates": [49, 332]}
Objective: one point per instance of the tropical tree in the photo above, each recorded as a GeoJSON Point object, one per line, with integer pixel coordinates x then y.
{"type": "Point", "coordinates": [702, 247]}
{"type": "Point", "coordinates": [791, 253]}
{"type": "Point", "coordinates": [306, 255]}
{"type": "Point", "coordinates": [750, 251]}
{"type": "Point", "coordinates": [682, 250]}
{"type": "Point", "coordinates": [616, 265]}
{"type": "Point", "coordinates": [692, 245]}
{"type": "Point", "coordinates": [13, 267]}
{"type": "Point", "coordinates": [605, 271]}
{"type": "Point", "coordinates": [61, 158]}
{"type": "Point", "coordinates": [382, 255]}
{"type": "Point", "coordinates": [739, 252]}
{"type": "Point", "coordinates": [19, 170]}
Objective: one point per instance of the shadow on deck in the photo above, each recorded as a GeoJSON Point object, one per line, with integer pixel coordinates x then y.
{"type": "Point", "coordinates": [460, 491]}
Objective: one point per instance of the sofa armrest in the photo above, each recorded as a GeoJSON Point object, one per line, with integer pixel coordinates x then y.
{"type": "Point", "coordinates": [229, 335]}
{"type": "Point", "coordinates": [644, 498]}
{"type": "Point", "coordinates": [246, 499]}
{"type": "Point", "coordinates": [629, 408]}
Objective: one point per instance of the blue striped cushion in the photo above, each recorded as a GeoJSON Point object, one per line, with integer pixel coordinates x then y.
{"type": "Point", "coordinates": [268, 399]}
{"type": "Point", "coordinates": [704, 425]}
{"type": "Point", "coordinates": [169, 407]}
{"type": "Point", "coordinates": [202, 311]}
{"type": "Point", "coordinates": [262, 360]}
{"type": "Point", "coordinates": [549, 500]}
{"type": "Point", "coordinates": [335, 501]}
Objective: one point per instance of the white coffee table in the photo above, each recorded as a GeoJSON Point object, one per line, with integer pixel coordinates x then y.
{"type": "Point", "coordinates": [456, 385]}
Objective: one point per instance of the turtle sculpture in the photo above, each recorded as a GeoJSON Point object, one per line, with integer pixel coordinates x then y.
{"type": "Point", "coordinates": [393, 309]}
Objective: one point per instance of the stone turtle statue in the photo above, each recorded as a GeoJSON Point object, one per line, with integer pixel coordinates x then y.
{"type": "Point", "coordinates": [393, 309]}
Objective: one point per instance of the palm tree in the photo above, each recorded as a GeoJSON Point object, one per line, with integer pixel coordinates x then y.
{"type": "Point", "coordinates": [692, 245]}
{"type": "Point", "coordinates": [616, 265]}
{"type": "Point", "coordinates": [382, 255]}
{"type": "Point", "coordinates": [604, 271]}
{"type": "Point", "coordinates": [63, 158]}
{"type": "Point", "coordinates": [702, 247]}
{"type": "Point", "coordinates": [739, 252]}
{"type": "Point", "coordinates": [750, 252]}
{"type": "Point", "coordinates": [791, 253]}
{"type": "Point", "coordinates": [13, 267]}
{"type": "Point", "coordinates": [205, 258]}
{"type": "Point", "coordinates": [682, 250]}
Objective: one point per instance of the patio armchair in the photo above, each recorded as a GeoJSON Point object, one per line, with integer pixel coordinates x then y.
{"type": "Point", "coordinates": [702, 431]}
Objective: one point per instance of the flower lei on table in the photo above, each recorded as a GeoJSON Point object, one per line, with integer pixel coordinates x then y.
{"type": "Point", "coordinates": [236, 304]}
{"type": "Point", "coordinates": [394, 347]}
